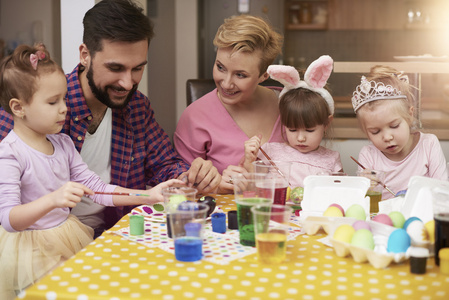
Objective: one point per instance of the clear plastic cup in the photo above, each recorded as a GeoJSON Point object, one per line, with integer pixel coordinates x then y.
{"type": "Point", "coordinates": [271, 227]}
{"type": "Point", "coordinates": [187, 226]}
{"type": "Point", "coordinates": [280, 170]}
{"type": "Point", "coordinates": [251, 189]}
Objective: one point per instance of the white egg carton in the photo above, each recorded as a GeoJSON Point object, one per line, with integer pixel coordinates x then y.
{"type": "Point", "coordinates": [322, 191]}
{"type": "Point", "coordinates": [312, 224]}
{"type": "Point", "coordinates": [379, 257]}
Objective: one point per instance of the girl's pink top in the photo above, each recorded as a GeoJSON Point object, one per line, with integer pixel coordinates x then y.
{"type": "Point", "coordinates": [206, 130]}
{"type": "Point", "coordinates": [27, 174]}
{"type": "Point", "coordinates": [426, 159]}
{"type": "Point", "coordinates": [322, 160]}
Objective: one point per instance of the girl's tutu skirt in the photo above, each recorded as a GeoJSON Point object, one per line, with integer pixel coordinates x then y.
{"type": "Point", "coordinates": [27, 255]}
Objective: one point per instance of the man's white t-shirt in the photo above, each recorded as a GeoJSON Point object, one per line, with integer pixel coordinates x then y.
{"type": "Point", "coordinates": [96, 153]}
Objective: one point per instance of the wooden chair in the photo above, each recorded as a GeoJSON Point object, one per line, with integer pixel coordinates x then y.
{"type": "Point", "coordinates": [196, 88]}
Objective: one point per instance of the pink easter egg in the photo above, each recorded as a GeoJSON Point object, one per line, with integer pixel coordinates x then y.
{"type": "Point", "coordinates": [360, 224]}
{"type": "Point", "coordinates": [339, 207]}
{"type": "Point", "coordinates": [384, 219]}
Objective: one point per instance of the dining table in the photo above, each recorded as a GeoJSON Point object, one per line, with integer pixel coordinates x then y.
{"type": "Point", "coordinates": [118, 265]}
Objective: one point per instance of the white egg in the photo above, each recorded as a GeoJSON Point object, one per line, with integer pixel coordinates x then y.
{"type": "Point", "coordinates": [418, 232]}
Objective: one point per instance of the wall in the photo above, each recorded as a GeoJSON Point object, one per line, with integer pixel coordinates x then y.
{"type": "Point", "coordinates": [161, 64]}
{"type": "Point", "coordinates": [72, 14]}
{"type": "Point", "coordinates": [172, 58]}
{"type": "Point", "coordinates": [30, 21]}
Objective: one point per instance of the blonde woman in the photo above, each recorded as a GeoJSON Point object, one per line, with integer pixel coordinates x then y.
{"type": "Point", "coordinates": [216, 126]}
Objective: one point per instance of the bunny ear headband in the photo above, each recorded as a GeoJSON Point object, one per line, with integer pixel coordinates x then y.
{"type": "Point", "coordinates": [315, 78]}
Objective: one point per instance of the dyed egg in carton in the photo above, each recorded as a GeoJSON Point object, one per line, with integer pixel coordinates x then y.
{"type": "Point", "coordinates": [322, 191]}
{"type": "Point", "coordinates": [379, 257]}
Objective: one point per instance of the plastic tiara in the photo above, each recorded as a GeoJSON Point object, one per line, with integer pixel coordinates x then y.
{"type": "Point", "coordinates": [369, 91]}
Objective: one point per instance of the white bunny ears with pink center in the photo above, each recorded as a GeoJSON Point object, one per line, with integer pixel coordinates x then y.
{"type": "Point", "coordinates": [315, 78]}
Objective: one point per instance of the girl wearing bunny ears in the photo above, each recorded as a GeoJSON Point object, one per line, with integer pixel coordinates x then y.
{"type": "Point", "coordinates": [306, 110]}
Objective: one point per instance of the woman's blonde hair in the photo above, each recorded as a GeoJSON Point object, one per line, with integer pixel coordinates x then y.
{"type": "Point", "coordinates": [247, 34]}
{"type": "Point", "coordinates": [397, 79]}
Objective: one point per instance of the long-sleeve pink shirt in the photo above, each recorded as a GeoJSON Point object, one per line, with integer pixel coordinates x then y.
{"type": "Point", "coordinates": [27, 174]}
{"type": "Point", "coordinates": [303, 164]}
{"type": "Point", "coordinates": [206, 130]}
{"type": "Point", "coordinates": [426, 159]}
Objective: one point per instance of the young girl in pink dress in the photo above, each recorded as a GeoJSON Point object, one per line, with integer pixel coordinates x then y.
{"type": "Point", "coordinates": [42, 174]}
{"type": "Point", "coordinates": [306, 110]}
{"type": "Point", "coordinates": [383, 104]}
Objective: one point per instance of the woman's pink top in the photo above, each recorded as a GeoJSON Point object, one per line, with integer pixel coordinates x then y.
{"type": "Point", "coordinates": [206, 130]}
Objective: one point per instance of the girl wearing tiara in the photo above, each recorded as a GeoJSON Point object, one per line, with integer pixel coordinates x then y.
{"type": "Point", "coordinates": [42, 175]}
{"type": "Point", "coordinates": [306, 109]}
{"type": "Point", "coordinates": [383, 104]}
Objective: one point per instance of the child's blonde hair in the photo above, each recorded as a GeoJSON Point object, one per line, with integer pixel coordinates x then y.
{"type": "Point", "coordinates": [247, 34]}
{"type": "Point", "coordinates": [18, 76]}
{"type": "Point", "coordinates": [396, 79]}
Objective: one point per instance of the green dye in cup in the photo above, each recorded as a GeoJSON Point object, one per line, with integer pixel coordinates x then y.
{"type": "Point", "coordinates": [245, 219]}
{"type": "Point", "coordinates": [136, 223]}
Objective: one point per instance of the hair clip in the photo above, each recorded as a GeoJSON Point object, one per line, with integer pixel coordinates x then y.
{"type": "Point", "coordinates": [315, 78]}
{"type": "Point", "coordinates": [34, 58]}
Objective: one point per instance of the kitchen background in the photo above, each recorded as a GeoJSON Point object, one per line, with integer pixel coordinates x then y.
{"type": "Point", "coordinates": [348, 30]}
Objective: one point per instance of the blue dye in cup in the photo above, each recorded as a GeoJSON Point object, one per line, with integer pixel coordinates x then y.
{"type": "Point", "coordinates": [188, 248]}
{"type": "Point", "coordinates": [218, 222]}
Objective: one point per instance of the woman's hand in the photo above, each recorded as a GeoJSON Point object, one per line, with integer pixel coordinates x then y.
{"type": "Point", "coordinates": [202, 175]}
{"type": "Point", "coordinates": [227, 184]}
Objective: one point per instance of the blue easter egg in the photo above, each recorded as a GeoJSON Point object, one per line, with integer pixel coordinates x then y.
{"type": "Point", "coordinates": [398, 241]}
{"type": "Point", "coordinates": [409, 220]}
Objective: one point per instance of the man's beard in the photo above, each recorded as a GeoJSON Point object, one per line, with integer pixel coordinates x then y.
{"type": "Point", "coordinates": [102, 95]}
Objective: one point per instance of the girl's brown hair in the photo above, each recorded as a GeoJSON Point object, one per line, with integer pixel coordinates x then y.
{"type": "Point", "coordinates": [303, 108]}
{"type": "Point", "coordinates": [18, 78]}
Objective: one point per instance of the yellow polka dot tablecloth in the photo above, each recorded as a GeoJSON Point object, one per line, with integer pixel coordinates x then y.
{"type": "Point", "coordinates": [113, 267]}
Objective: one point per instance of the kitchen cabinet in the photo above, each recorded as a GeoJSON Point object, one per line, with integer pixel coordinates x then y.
{"type": "Point", "coordinates": [306, 15]}
{"type": "Point", "coordinates": [366, 14]}
{"type": "Point", "coordinates": [427, 14]}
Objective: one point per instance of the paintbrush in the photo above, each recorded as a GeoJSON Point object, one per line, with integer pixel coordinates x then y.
{"type": "Point", "coordinates": [121, 194]}
{"type": "Point", "coordinates": [273, 164]}
{"type": "Point", "coordinates": [381, 183]}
